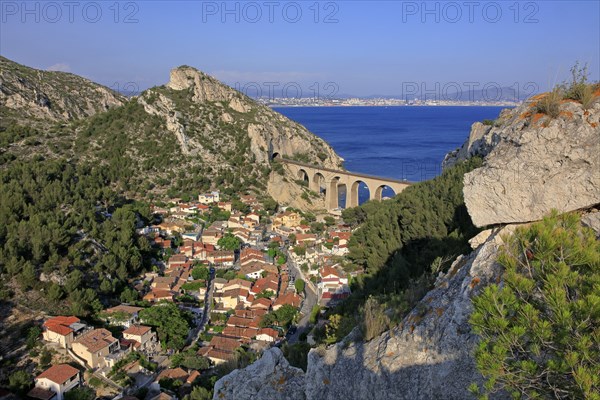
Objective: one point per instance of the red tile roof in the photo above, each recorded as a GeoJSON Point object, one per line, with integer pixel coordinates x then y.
{"type": "Point", "coordinates": [326, 271]}
{"type": "Point", "coordinates": [289, 298]}
{"type": "Point", "coordinates": [173, 373]}
{"type": "Point", "coordinates": [60, 324]}
{"type": "Point", "coordinates": [59, 373]}
{"type": "Point", "coordinates": [96, 339]}
{"type": "Point", "coordinates": [261, 303]}
{"type": "Point", "coordinates": [137, 330]}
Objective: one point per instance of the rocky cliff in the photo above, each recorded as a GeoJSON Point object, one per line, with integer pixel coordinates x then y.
{"type": "Point", "coordinates": [35, 97]}
{"type": "Point", "coordinates": [199, 108]}
{"type": "Point", "coordinates": [532, 164]}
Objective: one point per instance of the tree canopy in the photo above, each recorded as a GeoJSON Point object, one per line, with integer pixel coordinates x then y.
{"type": "Point", "coordinates": [170, 322]}
{"type": "Point", "coordinates": [63, 219]}
{"type": "Point", "coordinates": [229, 242]}
{"type": "Point", "coordinates": [540, 330]}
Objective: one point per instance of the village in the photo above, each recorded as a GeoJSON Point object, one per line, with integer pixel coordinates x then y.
{"type": "Point", "coordinates": [231, 280]}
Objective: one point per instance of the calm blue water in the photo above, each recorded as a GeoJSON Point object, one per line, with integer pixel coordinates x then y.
{"type": "Point", "coordinates": [395, 142]}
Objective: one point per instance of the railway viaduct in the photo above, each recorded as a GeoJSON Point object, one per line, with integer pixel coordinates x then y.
{"type": "Point", "coordinates": [329, 180]}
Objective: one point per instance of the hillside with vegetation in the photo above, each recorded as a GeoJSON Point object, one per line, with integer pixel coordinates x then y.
{"type": "Point", "coordinates": [33, 97]}
{"type": "Point", "coordinates": [175, 140]}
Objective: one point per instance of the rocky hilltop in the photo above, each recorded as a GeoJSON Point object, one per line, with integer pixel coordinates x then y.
{"type": "Point", "coordinates": [190, 134]}
{"type": "Point", "coordinates": [532, 163]}
{"type": "Point", "coordinates": [34, 97]}
{"type": "Point", "coordinates": [197, 107]}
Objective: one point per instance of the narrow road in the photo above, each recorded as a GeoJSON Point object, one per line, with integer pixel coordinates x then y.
{"type": "Point", "coordinates": [310, 299]}
{"type": "Point", "coordinates": [208, 297]}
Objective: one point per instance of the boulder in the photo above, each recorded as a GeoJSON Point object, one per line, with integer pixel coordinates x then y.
{"type": "Point", "coordinates": [269, 378]}
{"type": "Point", "coordinates": [534, 164]}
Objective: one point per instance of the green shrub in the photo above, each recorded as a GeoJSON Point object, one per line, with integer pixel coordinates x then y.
{"type": "Point", "coordinates": [549, 104]}
{"type": "Point", "coordinates": [374, 321]}
{"type": "Point", "coordinates": [297, 354]}
{"type": "Point", "coordinates": [540, 330]}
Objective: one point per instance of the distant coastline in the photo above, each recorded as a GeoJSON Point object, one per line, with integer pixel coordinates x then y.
{"type": "Point", "coordinates": [312, 102]}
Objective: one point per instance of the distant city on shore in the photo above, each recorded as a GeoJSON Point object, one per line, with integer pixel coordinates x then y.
{"type": "Point", "coordinates": [377, 102]}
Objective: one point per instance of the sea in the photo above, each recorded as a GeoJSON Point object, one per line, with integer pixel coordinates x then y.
{"type": "Point", "coordinates": [402, 142]}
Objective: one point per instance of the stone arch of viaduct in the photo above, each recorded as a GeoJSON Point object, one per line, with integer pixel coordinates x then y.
{"type": "Point", "coordinates": [329, 180]}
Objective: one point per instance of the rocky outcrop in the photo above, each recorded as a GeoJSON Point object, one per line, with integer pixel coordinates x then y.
{"type": "Point", "coordinates": [533, 164]}
{"type": "Point", "coordinates": [428, 356]}
{"type": "Point", "coordinates": [286, 191]}
{"type": "Point", "coordinates": [271, 377]}
{"type": "Point", "coordinates": [30, 96]}
{"type": "Point", "coordinates": [269, 132]}
{"type": "Point", "coordinates": [216, 123]}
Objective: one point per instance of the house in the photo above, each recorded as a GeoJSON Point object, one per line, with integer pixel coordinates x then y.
{"type": "Point", "coordinates": [253, 271]}
{"type": "Point", "coordinates": [145, 339]}
{"type": "Point", "coordinates": [288, 219]}
{"type": "Point", "coordinates": [160, 295]}
{"type": "Point", "coordinates": [123, 315]}
{"type": "Point", "coordinates": [163, 282]}
{"type": "Point", "coordinates": [332, 287]}
{"type": "Point", "coordinates": [242, 233]}
{"type": "Point", "coordinates": [222, 258]}
{"type": "Point", "coordinates": [234, 223]}
{"type": "Point", "coordinates": [249, 200]}
{"type": "Point", "coordinates": [267, 335]}
{"type": "Point", "coordinates": [63, 330]}
{"type": "Point", "coordinates": [306, 239]}
{"type": "Point", "coordinates": [173, 373]}
{"type": "Point", "coordinates": [176, 259]}
{"type": "Point", "coordinates": [211, 236]}
{"type": "Point", "coordinates": [225, 205]}
{"type": "Point", "coordinates": [171, 227]}
{"type": "Point", "coordinates": [237, 284]}
{"type": "Point", "coordinates": [202, 208]}
{"type": "Point", "coordinates": [328, 299]}
{"type": "Point", "coordinates": [176, 374]}
{"type": "Point", "coordinates": [219, 283]}
{"type": "Point", "coordinates": [195, 236]}
{"type": "Point", "coordinates": [342, 237]}
{"type": "Point", "coordinates": [54, 382]}
{"type": "Point", "coordinates": [250, 255]}
{"type": "Point", "coordinates": [240, 333]}
{"type": "Point", "coordinates": [231, 298]}
{"type": "Point", "coordinates": [162, 243]}
{"type": "Point", "coordinates": [220, 349]}
{"type": "Point", "coordinates": [261, 304]}
{"type": "Point", "coordinates": [289, 298]}
{"type": "Point", "coordinates": [254, 217]}
{"type": "Point", "coordinates": [269, 283]}
{"type": "Point", "coordinates": [209, 198]}
{"type": "Point", "coordinates": [95, 347]}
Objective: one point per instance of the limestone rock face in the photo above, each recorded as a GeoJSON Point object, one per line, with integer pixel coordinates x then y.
{"type": "Point", "coordinates": [288, 192]}
{"type": "Point", "coordinates": [428, 356]}
{"type": "Point", "coordinates": [533, 164]}
{"type": "Point", "coordinates": [211, 121]}
{"type": "Point", "coordinates": [269, 378]}
{"type": "Point", "coordinates": [35, 97]}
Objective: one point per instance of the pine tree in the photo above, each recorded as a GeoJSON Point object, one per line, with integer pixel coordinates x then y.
{"type": "Point", "coordinates": [540, 329]}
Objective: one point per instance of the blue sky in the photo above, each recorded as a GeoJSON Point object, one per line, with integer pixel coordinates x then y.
{"type": "Point", "coordinates": [363, 47]}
